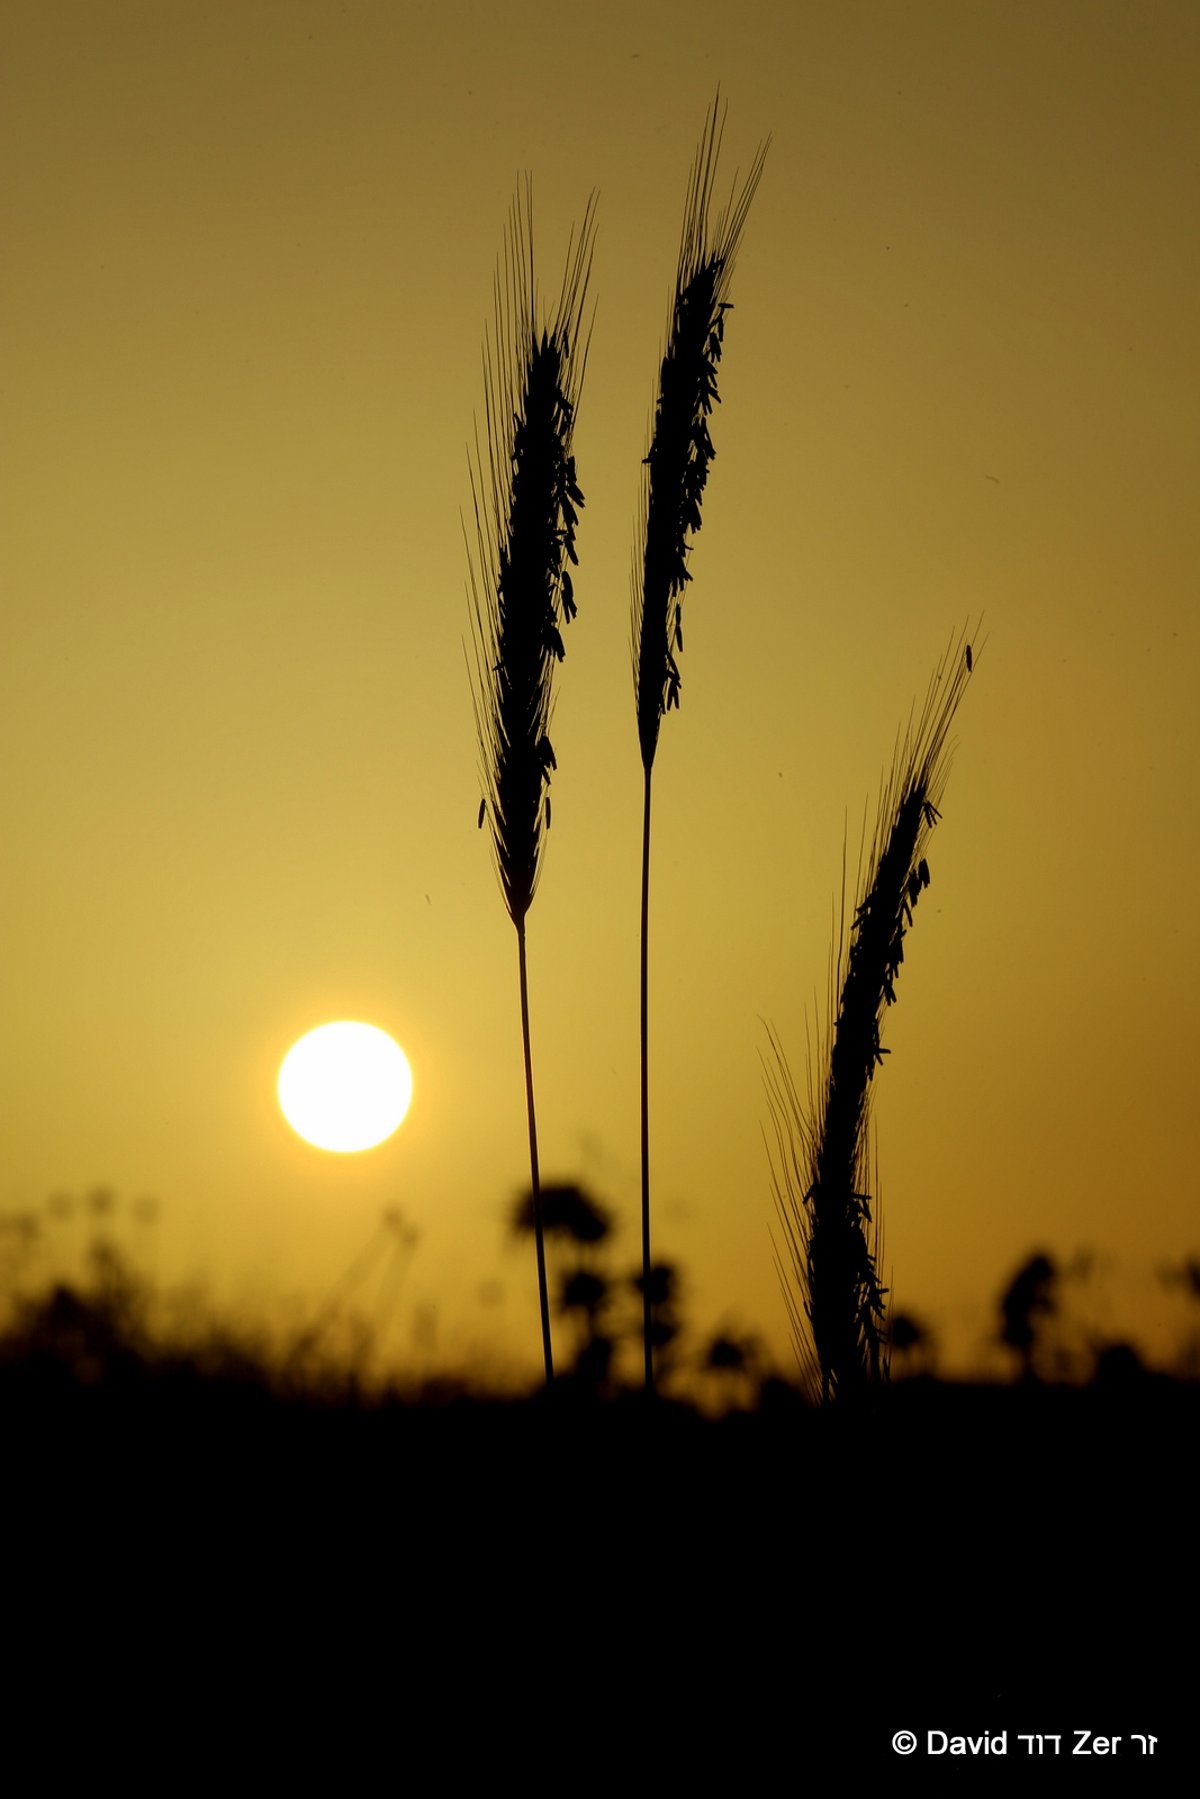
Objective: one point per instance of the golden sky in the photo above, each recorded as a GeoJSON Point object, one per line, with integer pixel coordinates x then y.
{"type": "Point", "coordinates": [248, 261]}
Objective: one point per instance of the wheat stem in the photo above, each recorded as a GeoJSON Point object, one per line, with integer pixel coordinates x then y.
{"type": "Point", "coordinates": [645, 1082]}
{"type": "Point", "coordinates": [525, 498]}
{"type": "Point", "coordinates": [681, 450]}
{"type": "Point", "coordinates": [534, 1167]}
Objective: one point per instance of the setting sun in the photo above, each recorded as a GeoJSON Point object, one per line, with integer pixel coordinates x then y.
{"type": "Point", "coordinates": [345, 1086]}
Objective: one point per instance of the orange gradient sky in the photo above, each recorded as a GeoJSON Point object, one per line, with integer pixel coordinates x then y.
{"type": "Point", "coordinates": [248, 265]}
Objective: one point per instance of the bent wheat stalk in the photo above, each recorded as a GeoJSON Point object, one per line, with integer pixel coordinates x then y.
{"type": "Point", "coordinates": [525, 497]}
{"type": "Point", "coordinates": [819, 1164]}
{"type": "Point", "coordinates": [681, 450]}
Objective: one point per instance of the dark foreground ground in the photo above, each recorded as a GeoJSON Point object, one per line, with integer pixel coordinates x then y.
{"type": "Point", "coordinates": [562, 1594]}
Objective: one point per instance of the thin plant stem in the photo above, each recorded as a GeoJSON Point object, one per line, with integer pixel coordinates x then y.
{"type": "Point", "coordinates": [676, 470]}
{"type": "Point", "coordinates": [534, 1170]}
{"type": "Point", "coordinates": [645, 1036]}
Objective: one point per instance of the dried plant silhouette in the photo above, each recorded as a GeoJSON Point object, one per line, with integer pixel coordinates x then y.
{"type": "Point", "coordinates": [681, 450]}
{"type": "Point", "coordinates": [525, 497]}
{"type": "Point", "coordinates": [829, 1267]}
{"type": "Point", "coordinates": [582, 1226]}
{"type": "Point", "coordinates": [1029, 1298]}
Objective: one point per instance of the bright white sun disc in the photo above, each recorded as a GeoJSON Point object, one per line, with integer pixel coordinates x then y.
{"type": "Point", "coordinates": [345, 1086]}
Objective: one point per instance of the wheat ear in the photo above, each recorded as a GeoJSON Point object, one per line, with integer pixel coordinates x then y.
{"type": "Point", "coordinates": [820, 1174]}
{"type": "Point", "coordinates": [677, 465]}
{"type": "Point", "coordinates": [525, 498]}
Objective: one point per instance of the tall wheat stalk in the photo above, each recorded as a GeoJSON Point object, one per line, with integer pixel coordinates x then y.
{"type": "Point", "coordinates": [829, 1266]}
{"type": "Point", "coordinates": [525, 498]}
{"type": "Point", "coordinates": [681, 450]}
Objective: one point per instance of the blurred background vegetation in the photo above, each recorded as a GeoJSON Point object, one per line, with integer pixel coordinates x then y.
{"type": "Point", "coordinates": [81, 1310]}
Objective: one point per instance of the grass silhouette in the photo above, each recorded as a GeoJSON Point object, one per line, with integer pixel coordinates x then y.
{"type": "Point", "coordinates": [681, 450]}
{"type": "Point", "coordinates": [1034, 1534]}
{"type": "Point", "coordinates": [820, 1167]}
{"type": "Point", "coordinates": [525, 502]}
